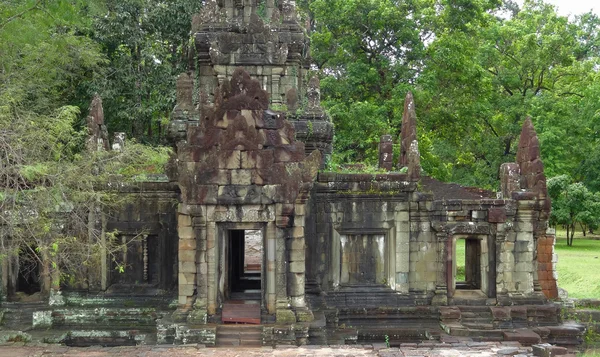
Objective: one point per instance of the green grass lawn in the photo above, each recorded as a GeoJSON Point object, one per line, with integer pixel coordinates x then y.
{"type": "Point", "coordinates": [460, 260]}
{"type": "Point", "coordinates": [578, 266]}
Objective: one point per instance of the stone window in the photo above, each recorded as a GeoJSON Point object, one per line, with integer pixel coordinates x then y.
{"type": "Point", "coordinates": [138, 261]}
{"type": "Point", "coordinates": [363, 259]}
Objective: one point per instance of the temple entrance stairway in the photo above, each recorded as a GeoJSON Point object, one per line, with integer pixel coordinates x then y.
{"type": "Point", "coordinates": [369, 314]}
{"type": "Point", "coordinates": [239, 335]}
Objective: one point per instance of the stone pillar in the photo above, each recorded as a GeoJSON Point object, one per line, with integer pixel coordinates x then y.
{"type": "Point", "coordinates": [547, 259]}
{"type": "Point", "coordinates": [402, 218]}
{"type": "Point", "coordinates": [275, 92]}
{"type": "Point", "coordinates": [449, 266]}
{"type": "Point", "coordinates": [524, 249]}
{"type": "Point", "coordinates": [271, 288]}
{"type": "Point", "coordinates": [282, 266]}
{"type": "Point", "coordinates": [211, 268]}
{"type": "Point", "coordinates": [386, 155]}
{"type": "Point", "coordinates": [509, 179]}
{"type": "Point", "coordinates": [409, 129]}
{"type": "Point", "coordinates": [97, 131]}
{"type": "Point", "coordinates": [441, 289]}
{"type": "Point", "coordinates": [187, 260]}
{"type": "Point", "coordinates": [3, 280]}
{"type": "Point", "coordinates": [297, 251]}
{"type": "Point", "coordinates": [414, 162]}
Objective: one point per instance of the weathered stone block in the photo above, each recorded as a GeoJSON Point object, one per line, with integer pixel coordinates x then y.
{"type": "Point", "coordinates": [297, 255]}
{"type": "Point", "coordinates": [186, 232]}
{"type": "Point", "coordinates": [297, 243]}
{"type": "Point", "coordinates": [230, 159]}
{"type": "Point", "coordinates": [187, 278]}
{"type": "Point", "coordinates": [249, 159]}
{"type": "Point", "coordinates": [297, 267]}
{"type": "Point", "coordinates": [496, 215]}
{"type": "Point", "coordinates": [187, 244]}
{"type": "Point", "coordinates": [187, 256]}
{"type": "Point", "coordinates": [241, 177]}
{"type": "Point", "coordinates": [184, 220]}
{"type": "Point", "coordinates": [186, 290]}
{"type": "Point", "coordinates": [298, 232]}
{"type": "Point", "coordinates": [187, 267]}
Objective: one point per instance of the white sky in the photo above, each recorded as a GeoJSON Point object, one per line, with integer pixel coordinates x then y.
{"type": "Point", "coordinates": [573, 7]}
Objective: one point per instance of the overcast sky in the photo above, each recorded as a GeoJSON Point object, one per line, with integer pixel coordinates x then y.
{"type": "Point", "coordinates": [574, 7]}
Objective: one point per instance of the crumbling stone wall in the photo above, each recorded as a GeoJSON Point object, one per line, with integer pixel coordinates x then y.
{"type": "Point", "coordinates": [148, 224]}
{"type": "Point", "coordinates": [525, 182]}
{"type": "Point", "coordinates": [378, 206]}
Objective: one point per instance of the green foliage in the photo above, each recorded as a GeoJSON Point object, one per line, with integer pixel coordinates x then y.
{"type": "Point", "coordinates": [477, 69]}
{"type": "Point", "coordinates": [147, 45]}
{"type": "Point", "coordinates": [367, 52]}
{"type": "Point", "coordinates": [572, 204]}
{"type": "Point", "coordinates": [481, 81]}
{"type": "Point", "coordinates": [51, 190]}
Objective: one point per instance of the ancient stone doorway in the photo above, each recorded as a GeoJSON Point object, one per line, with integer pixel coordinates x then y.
{"type": "Point", "coordinates": [470, 265]}
{"type": "Point", "coordinates": [243, 271]}
{"type": "Point", "coordinates": [245, 265]}
{"type": "Point", "coordinates": [27, 269]}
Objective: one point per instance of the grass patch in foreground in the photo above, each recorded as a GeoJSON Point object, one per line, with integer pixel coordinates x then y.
{"type": "Point", "coordinates": [579, 267]}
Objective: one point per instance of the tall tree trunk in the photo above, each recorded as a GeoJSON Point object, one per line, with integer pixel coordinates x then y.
{"type": "Point", "coordinates": [572, 233]}
{"type": "Point", "coordinates": [568, 242]}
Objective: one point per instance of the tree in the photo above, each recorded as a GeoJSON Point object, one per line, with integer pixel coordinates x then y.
{"type": "Point", "coordinates": [480, 82]}
{"type": "Point", "coordinates": [368, 52]}
{"type": "Point", "coordinates": [572, 204]}
{"type": "Point", "coordinates": [148, 44]}
{"type": "Point", "coordinates": [48, 184]}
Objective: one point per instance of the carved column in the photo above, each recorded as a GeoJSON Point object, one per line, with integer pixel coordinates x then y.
{"type": "Point", "coordinates": [445, 266]}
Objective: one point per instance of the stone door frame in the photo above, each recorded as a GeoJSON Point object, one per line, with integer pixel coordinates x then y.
{"type": "Point", "coordinates": [485, 260]}
{"type": "Point", "coordinates": [267, 276]}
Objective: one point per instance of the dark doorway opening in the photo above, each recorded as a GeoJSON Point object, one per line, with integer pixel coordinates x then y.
{"type": "Point", "coordinates": [28, 279]}
{"type": "Point", "coordinates": [243, 293]}
{"type": "Point", "coordinates": [468, 271]}
{"type": "Point", "coordinates": [245, 265]}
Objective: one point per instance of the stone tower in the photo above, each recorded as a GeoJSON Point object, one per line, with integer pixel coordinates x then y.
{"type": "Point", "coordinates": [268, 42]}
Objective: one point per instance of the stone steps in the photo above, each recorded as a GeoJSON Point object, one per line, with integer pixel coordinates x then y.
{"type": "Point", "coordinates": [106, 318]}
{"type": "Point", "coordinates": [19, 316]}
{"type": "Point", "coordinates": [239, 335]}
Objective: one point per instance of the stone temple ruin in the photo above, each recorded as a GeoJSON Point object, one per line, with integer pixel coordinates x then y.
{"type": "Point", "coordinates": [248, 241]}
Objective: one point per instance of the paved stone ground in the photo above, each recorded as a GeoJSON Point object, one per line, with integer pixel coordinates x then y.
{"type": "Point", "coordinates": [471, 349]}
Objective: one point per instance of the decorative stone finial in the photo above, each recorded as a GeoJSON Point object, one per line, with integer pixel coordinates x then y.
{"type": "Point", "coordinates": [386, 154]}
{"type": "Point", "coordinates": [288, 9]}
{"type": "Point", "coordinates": [97, 131]}
{"type": "Point", "coordinates": [291, 100]}
{"type": "Point", "coordinates": [414, 161]}
{"type": "Point", "coordinates": [409, 129]}
{"type": "Point", "coordinates": [119, 141]}
{"type": "Point", "coordinates": [510, 174]}
{"type": "Point", "coordinates": [313, 94]}
{"type": "Point", "coordinates": [530, 163]}
{"type": "Point", "coordinates": [185, 88]}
